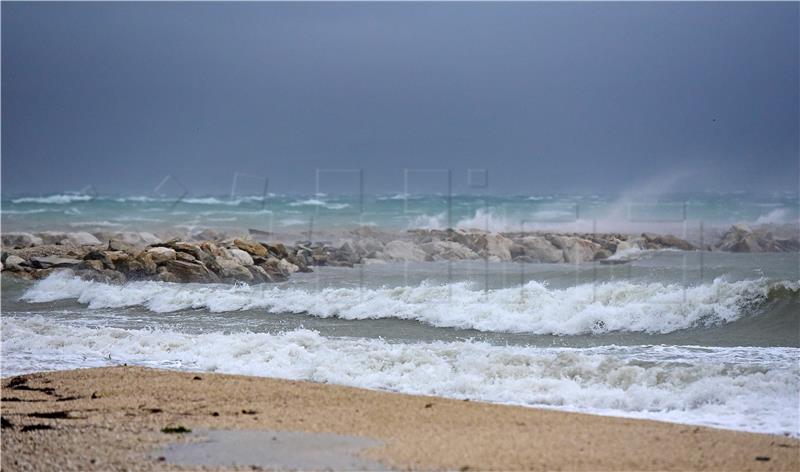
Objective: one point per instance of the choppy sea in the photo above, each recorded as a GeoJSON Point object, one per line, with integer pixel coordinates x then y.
{"type": "Point", "coordinates": [704, 338]}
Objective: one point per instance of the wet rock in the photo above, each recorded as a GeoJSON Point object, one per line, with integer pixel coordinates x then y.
{"type": "Point", "coordinates": [539, 249]}
{"type": "Point", "coordinates": [574, 249]}
{"type": "Point", "coordinates": [250, 247]}
{"type": "Point", "coordinates": [117, 245]}
{"type": "Point", "coordinates": [447, 251]}
{"type": "Point", "coordinates": [111, 259]}
{"type": "Point", "coordinates": [230, 269]}
{"type": "Point", "coordinates": [81, 238]}
{"type": "Point", "coordinates": [277, 249]}
{"type": "Point", "coordinates": [368, 247]}
{"type": "Point", "coordinates": [91, 264]}
{"type": "Point", "coordinates": [46, 262]}
{"type": "Point", "coordinates": [185, 256]}
{"type": "Point", "coordinates": [655, 241]}
{"type": "Point", "coordinates": [183, 271]}
{"type": "Point", "coordinates": [498, 247]}
{"type": "Point", "coordinates": [739, 238]}
{"type": "Point", "coordinates": [160, 254]}
{"type": "Point", "coordinates": [287, 267]}
{"type": "Point", "coordinates": [196, 250]}
{"type": "Point", "coordinates": [146, 263]}
{"type": "Point", "coordinates": [601, 254]}
{"type": "Point", "coordinates": [240, 256]}
{"type": "Point", "coordinates": [105, 276]}
{"type": "Point", "coordinates": [14, 263]}
{"type": "Point", "coordinates": [403, 251]}
{"type": "Point", "coordinates": [20, 240]}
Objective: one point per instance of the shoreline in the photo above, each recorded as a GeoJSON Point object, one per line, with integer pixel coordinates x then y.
{"type": "Point", "coordinates": [110, 418]}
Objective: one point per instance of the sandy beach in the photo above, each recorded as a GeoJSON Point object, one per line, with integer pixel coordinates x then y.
{"type": "Point", "coordinates": [112, 419]}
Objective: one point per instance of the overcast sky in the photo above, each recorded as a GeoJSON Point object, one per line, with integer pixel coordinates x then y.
{"type": "Point", "coordinates": [548, 97]}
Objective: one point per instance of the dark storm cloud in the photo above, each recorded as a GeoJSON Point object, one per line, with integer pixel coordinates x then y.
{"type": "Point", "coordinates": [548, 97]}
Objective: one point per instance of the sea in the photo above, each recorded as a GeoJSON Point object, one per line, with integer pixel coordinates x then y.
{"type": "Point", "coordinates": [696, 337]}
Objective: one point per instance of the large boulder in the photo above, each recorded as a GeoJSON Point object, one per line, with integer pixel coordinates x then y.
{"type": "Point", "coordinates": [242, 257]}
{"type": "Point", "coordinates": [251, 247]}
{"type": "Point", "coordinates": [667, 241]}
{"type": "Point", "coordinates": [160, 255]}
{"type": "Point", "coordinates": [403, 251]}
{"type": "Point", "coordinates": [182, 271]}
{"type": "Point", "coordinates": [230, 269]}
{"type": "Point", "coordinates": [110, 259]}
{"type": "Point", "coordinates": [287, 267]}
{"type": "Point", "coordinates": [498, 247]}
{"type": "Point", "coordinates": [45, 262]}
{"type": "Point", "coordinates": [14, 263]}
{"type": "Point", "coordinates": [81, 238]}
{"type": "Point", "coordinates": [740, 238]}
{"type": "Point", "coordinates": [21, 240]}
{"type": "Point", "coordinates": [539, 249]}
{"type": "Point", "coordinates": [574, 249]}
{"type": "Point", "coordinates": [368, 246]}
{"type": "Point", "coordinates": [447, 251]}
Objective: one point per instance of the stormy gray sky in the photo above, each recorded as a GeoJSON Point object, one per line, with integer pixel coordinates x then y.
{"type": "Point", "coordinates": [586, 98]}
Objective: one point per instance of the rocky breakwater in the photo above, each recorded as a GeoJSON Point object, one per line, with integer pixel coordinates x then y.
{"type": "Point", "coordinates": [774, 238]}
{"type": "Point", "coordinates": [235, 260]}
{"type": "Point", "coordinates": [549, 247]}
{"type": "Point", "coordinates": [370, 246]}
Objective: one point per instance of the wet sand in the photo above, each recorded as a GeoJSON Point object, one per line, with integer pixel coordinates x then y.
{"type": "Point", "coordinates": [112, 419]}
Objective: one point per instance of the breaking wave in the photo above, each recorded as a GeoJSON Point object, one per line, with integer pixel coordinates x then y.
{"type": "Point", "coordinates": [54, 199]}
{"type": "Point", "coordinates": [532, 308]}
{"type": "Point", "coordinates": [315, 202]}
{"type": "Point", "coordinates": [753, 389]}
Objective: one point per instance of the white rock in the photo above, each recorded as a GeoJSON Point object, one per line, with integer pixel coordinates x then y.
{"type": "Point", "coordinates": [81, 238]}
{"type": "Point", "coordinates": [161, 254]}
{"type": "Point", "coordinates": [286, 266]}
{"type": "Point", "coordinates": [498, 247]}
{"type": "Point", "coordinates": [403, 251]}
{"type": "Point", "coordinates": [13, 263]}
{"type": "Point", "coordinates": [231, 268]}
{"type": "Point", "coordinates": [541, 250]}
{"type": "Point", "coordinates": [448, 251]}
{"type": "Point", "coordinates": [242, 257]}
{"type": "Point", "coordinates": [575, 249]}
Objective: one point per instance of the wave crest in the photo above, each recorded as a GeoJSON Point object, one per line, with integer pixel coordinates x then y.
{"type": "Point", "coordinates": [743, 388]}
{"type": "Point", "coordinates": [533, 308]}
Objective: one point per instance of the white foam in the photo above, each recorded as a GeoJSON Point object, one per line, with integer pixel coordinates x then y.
{"type": "Point", "coordinates": [54, 199]}
{"type": "Point", "coordinates": [754, 389]}
{"type": "Point", "coordinates": [319, 203]}
{"type": "Point", "coordinates": [533, 308]}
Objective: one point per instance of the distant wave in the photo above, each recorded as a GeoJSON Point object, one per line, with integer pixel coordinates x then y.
{"type": "Point", "coordinates": [26, 212]}
{"type": "Point", "coordinates": [99, 224]}
{"type": "Point", "coordinates": [753, 389]}
{"type": "Point", "coordinates": [533, 308]}
{"type": "Point", "coordinates": [54, 199]}
{"type": "Point", "coordinates": [320, 203]}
